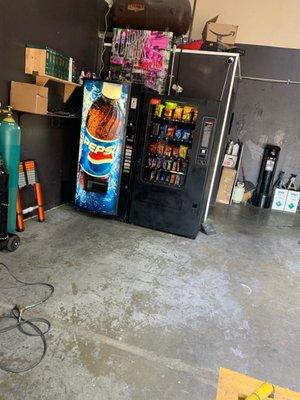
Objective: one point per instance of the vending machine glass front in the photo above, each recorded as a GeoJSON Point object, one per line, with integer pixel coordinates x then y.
{"type": "Point", "coordinates": [169, 138]}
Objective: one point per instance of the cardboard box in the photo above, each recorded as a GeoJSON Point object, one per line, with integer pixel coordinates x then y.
{"type": "Point", "coordinates": [226, 185]}
{"type": "Point", "coordinates": [29, 98]}
{"type": "Point", "coordinates": [217, 32]}
{"type": "Point", "coordinates": [292, 201]}
{"type": "Point", "coordinates": [279, 199]}
{"type": "Point", "coordinates": [230, 161]}
{"type": "Point", "coordinates": [42, 60]}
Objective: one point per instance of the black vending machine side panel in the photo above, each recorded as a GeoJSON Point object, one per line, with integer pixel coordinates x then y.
{"type": "Point", "coordinates": [208, 75]}
{"type": "Point", "coordinates": [174, 153]}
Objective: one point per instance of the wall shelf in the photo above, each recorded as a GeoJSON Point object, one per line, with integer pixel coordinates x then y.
{"type": "Point", "coordinates": [36, 64]}
{"type": "Point", "coordinates": [49, 114]}
{"type": "Point", "coordinates": [68, 87]}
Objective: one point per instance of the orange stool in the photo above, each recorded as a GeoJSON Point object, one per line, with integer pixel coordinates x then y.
{"type": "Point", "coordinates": [28, 176]}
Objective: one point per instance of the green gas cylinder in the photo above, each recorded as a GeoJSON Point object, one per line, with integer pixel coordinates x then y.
{"type": "Point", "coordinates": [10, 145]}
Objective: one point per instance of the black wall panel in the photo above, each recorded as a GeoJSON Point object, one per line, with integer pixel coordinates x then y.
{"type": "Point", "coordinates": [69, 26]}
{"type": "Point", "coordinates": [267, 112]}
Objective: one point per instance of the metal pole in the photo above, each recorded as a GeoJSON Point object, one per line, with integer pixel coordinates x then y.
{"type": "Point", "coordinates": [172, 70]}
{"type": "Point", "coordinates": [192, 23]}
{"type": "Point", "coordinates": [270, 80]}
{"type": "Point", "coordinates": [287, 82]}
{"type": "Point", "coordinates": [235, 64]}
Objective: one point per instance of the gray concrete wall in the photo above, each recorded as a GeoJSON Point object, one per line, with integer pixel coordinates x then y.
{"type": "Point", "coordinates": [269, 112]}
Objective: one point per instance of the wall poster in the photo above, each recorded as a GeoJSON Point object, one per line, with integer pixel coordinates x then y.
{"type": "Point", "coordinates": [141, 57]}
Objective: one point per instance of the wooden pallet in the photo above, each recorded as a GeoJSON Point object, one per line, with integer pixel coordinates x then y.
{"type": "Point", "coordinates": [235, 386]}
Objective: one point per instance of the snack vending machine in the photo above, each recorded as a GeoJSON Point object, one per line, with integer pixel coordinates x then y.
{"type": "Point", "coordinates": [173, 164]}
{"type": "Point", "coordinates": [110, 118]}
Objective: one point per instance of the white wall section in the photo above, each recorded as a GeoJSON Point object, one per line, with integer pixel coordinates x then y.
{"type": "Point", "coordinates": [268, 22]}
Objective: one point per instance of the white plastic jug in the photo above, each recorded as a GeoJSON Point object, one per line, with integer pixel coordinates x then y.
{"type": "Point", "coordinates": [238, 193]}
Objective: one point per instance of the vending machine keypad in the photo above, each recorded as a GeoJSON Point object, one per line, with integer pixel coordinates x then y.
{"type": "Point", "coordinates": [128, 158]}
{"type": "Point", "coordinates": [206, 134]}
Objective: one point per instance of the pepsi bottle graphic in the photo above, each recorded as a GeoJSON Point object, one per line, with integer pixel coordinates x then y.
{"type": "Point", "coordinates": [101, 139]}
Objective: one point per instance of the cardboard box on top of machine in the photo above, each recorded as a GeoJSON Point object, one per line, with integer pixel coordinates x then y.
{"type": "Point", "coordinates": [219, 33]}
{"type": "Point", "coordinates": [29, 98]}
{"type": "Point", "coordinates": [226, 185]}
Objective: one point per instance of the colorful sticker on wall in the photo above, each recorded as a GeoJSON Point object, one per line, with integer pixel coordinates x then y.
{"type": "Point", "coordinates": [103, 130]}
{"type": "Point", "coordinates": [141, 57]}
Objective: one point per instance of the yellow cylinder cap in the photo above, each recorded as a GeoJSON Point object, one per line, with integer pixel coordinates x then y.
{"type": "Point", "coordinates": [263, 392]}
{"type": "Point", "coordinates": [9, 118]}
{"type": "Point", "coordinates": [112, 91]}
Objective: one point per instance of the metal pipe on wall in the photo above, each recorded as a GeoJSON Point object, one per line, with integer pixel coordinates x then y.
{"type": "Point", "coordinates": [285, 81]}
{"type": "Point", "coordinates": [270, 80]}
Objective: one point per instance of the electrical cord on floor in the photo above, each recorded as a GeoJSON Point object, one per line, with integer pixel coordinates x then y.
{"type": "Point", "coordinates": [16, 314]}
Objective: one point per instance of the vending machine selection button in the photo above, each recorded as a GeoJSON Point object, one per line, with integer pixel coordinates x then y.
{"type": "Point", "coordinates": [134, 102]}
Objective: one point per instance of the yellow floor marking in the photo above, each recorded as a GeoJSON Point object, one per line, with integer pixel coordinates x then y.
{"type": "Point", "coordinates": [235, 386]}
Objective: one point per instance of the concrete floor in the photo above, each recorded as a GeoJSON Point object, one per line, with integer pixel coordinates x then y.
{"type": "Point", "coordinates": [139, 314]}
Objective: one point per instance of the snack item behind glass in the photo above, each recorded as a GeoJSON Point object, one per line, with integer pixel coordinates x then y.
{"type": "Point", "coordinates": [159, 163]}
{"type": "Point", "coordinates": [178, 134]}
{"type": "Point", "coordinates": [177, 180]}
{"type": "Point", "coordinates": [163, 176]}
{"type": "Point", "coordinates": [195, 116]}
{"type": "Point", "coordinates": [170, 132]}
{"type": "Point", "coordinates": [172, 179]}
{"type": "Point", "coordinates": [169, 165]}
{"type": "Point", "coordinates": [186, 133]}
{"type": "Point", "coordinates": [175, 152]}
{"type": "Point", "coordinates": [184, 166]}
{"type": "Point", "coordinates": [155, 130]}
{"type": "Point", "coordinates": [159, 108]}
{"type": "Point", "coordinates": [174, 166]}
{"type": "Point", "coordinates": [163, 131]}
{"type": "Point", "coordinates": [169, 110]}
{"type": "Point", "coordinates": [168, 150]}
{"type": "Point", "coordinates": [160, 149]}
{"type": "Point", "coordinates": [154, 163]}
{"type": "Point", "coordinates": [164, 164]}
{"type": "Point", "coordinates": [187, 114]}
{"type": "Point", "coordinates": [183, 151]}
{"type": "Point", "coordinates": [153, 176]}
{"type": "Point", "coordinates": [178, 113]}
{"type": "Point", "coordinates": [152, 148]}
